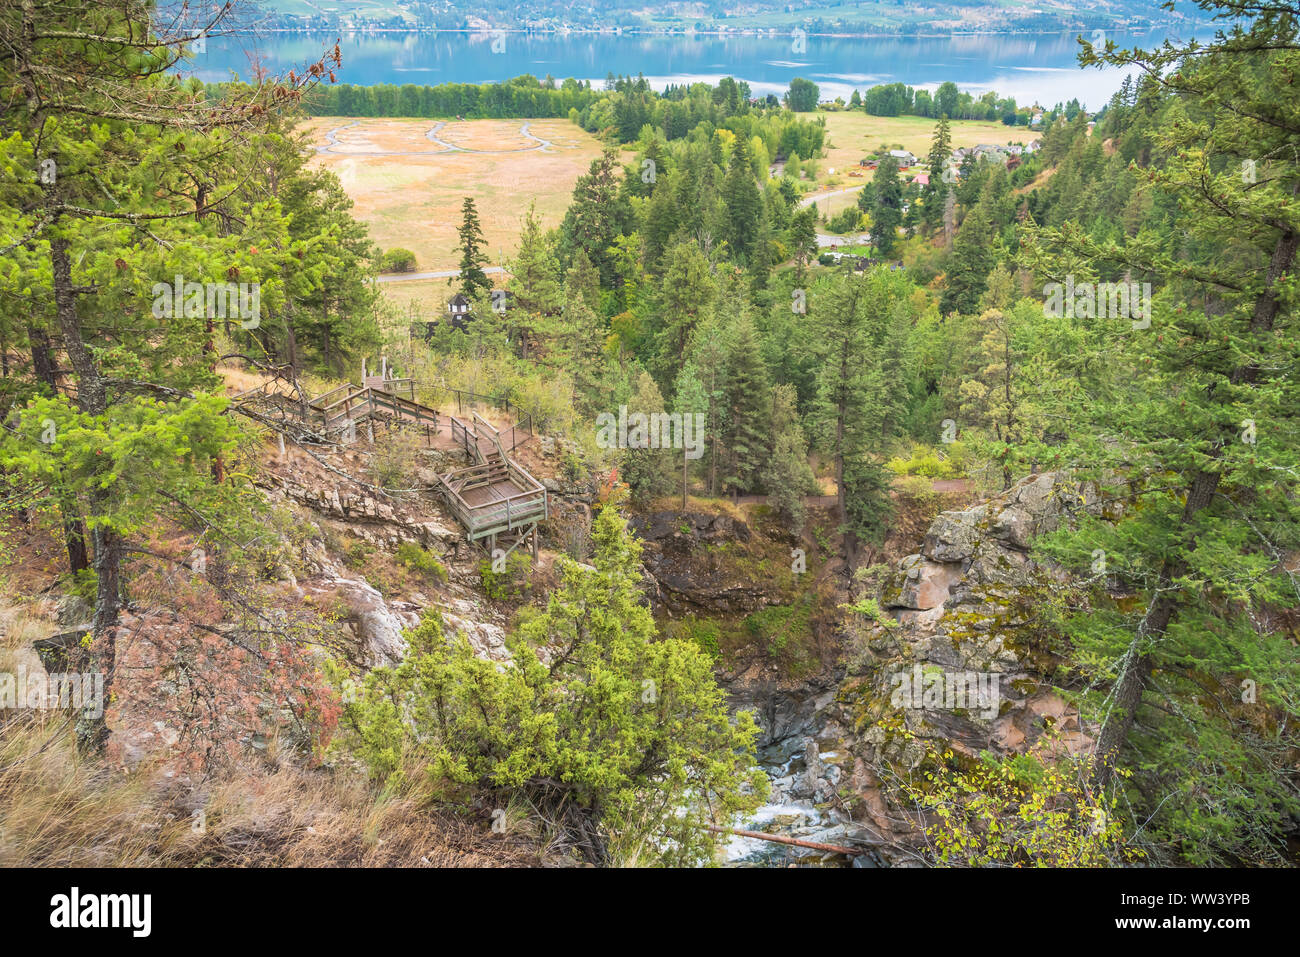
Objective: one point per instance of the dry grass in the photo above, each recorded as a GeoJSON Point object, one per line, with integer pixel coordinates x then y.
{"type": "Point", "coordinates": [854, 134]}
{"type": "Point", "coordinates": [697, 505]}
{"type": "Point", "coordinates": [59, 808]}
{"type": "Point", "coordinates": [423, 299]}
{"type": "Point", "coordinates": [414, 201]}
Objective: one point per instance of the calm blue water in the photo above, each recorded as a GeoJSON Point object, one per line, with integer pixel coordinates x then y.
{"type": "Point", "coordinates": [1026, 67]}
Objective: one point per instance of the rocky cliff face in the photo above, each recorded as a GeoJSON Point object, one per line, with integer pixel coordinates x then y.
{"type": "Point", "coordinates": [961, 664]}
{"type": "Point", "coordinates": [332, 508]}
{"type": "Point", "coordinates": [710, 563]}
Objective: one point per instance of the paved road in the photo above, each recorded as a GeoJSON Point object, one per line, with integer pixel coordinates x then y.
{"type": "Point", "coordinates": [332, 142]}
{"type": "Point", "coordinates": [825, 240]}
{"type": "Point", "coordinates": [444, 274]}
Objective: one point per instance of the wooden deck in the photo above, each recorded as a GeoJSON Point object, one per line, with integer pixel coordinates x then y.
{"type": "Point", "coordinates": [488, 503]}
{"type": "Point", "coordinates": [493, 498]}
{"type": "Point", "coordinates": [496, 496]}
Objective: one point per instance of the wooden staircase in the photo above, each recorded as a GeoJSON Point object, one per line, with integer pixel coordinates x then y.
{"type": "Point", "coordinates": [495, 498]}
{"type": "Point", "coordinates": [334, 415]}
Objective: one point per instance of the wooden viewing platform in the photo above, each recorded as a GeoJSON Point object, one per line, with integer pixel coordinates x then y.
{"type": "Point", "coordinates": [495, 499]}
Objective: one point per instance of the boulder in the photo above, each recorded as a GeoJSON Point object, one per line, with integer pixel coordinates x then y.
{"type": "Point", "coordinates": [926, 584]}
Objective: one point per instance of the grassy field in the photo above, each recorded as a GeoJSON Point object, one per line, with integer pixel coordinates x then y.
{"type": "Point", "coordinates": [412, 196]}
{"type": "Point", "coordinates": [851, 135]}
{"type": "Point", "coordinates": [423, 298]}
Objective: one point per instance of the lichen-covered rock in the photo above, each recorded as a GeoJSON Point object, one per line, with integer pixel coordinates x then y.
{"type": "Point", "coordinates": [377, 627]}
{"type": "Point", "coordinates": [965, 664]}
{"type": "Point", "coordinates": [926, 584]}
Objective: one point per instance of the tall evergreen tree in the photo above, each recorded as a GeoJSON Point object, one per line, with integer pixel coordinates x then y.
{"type": "Point", "coordinates": [474, 284]}
{"type": "Point", "coordinates": [1194, 435]}
{"type": "Point", "coordinates": [534, 283]}
{"type": "Point", "coordinates": [597, 215]}
{"type": "Point", "coordinates": [747, 429]}
{"type": "Point", "coordinates": [970, 262]}
{"type": "Point", "coordinates": [887, 208]}
{"type": "Point", "coordinates": [686, 297]}
{"type": "Point", "coordinates": [934, 195]}
{"type": "Point", "coordinates": [857, 334]}
{"type": "Point", "coordinates": [803, 239]}
{"type": "Point", "coordinates": [689, 398]}
{"type": "Point", "coordinates": [786, 474]}
{"type": "Point", "coordinates": [744, 203]}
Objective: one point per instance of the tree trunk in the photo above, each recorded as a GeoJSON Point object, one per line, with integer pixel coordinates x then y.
{"type": "Point", "coordinates": [74, 529]}
{"type": "Point", "coordinates": [92, 399]}
{"type": "Point", "coordinates": [685, 474]}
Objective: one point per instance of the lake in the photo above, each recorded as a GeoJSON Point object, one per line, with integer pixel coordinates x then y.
{"type": "Point", "coordinates": [1028, 67]}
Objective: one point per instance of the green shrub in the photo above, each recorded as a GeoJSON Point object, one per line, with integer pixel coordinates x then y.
{"type": "Point", "coordinates": [357, 553]}
{"type": "Point", "coordinates": [423, 561]}
{"type": "Point", "coordinates": [513, 581]}
{"type": "Point", "coordinates": [397, 260]}
{"type": "Point", "coordinates": [847, 220]}
{"type": "Point", "coordinates": [948, 463]}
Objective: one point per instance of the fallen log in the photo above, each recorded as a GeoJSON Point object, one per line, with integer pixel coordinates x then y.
{"type": "Point", "coordinates": [781, 839]}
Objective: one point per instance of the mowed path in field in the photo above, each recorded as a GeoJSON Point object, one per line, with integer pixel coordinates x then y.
{"type": "Point", "coordinates": [408, 179]}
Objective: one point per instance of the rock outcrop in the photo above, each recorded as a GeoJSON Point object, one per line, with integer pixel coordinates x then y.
{"type": "Point", "coordinates": [963, 664]}
{"type": "Point", "coordinates": [698, 563]}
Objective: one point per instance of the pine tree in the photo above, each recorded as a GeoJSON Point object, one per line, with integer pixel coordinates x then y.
{"type": "Point", "coordinates": [887, 208]}
{"type": "Point", "coordinates": [625, 737]}
{"type": "Point", "coordinates": [744, 203]}
{"type": "Point", "coordinates": [686, 298]}
{"type": "Point", "coordinates": [473, 280]}
{"type": "Point", "coordinates": [534, 282]}
{"type": "Point", "coordinates": [747, 433]}
{"type": "Point", "coordinates": [578, 337]}
{"type": "Point", "coordinates": [936, 190]}
{"type": "Point", "coordinates": [649, 471]}
{"type": "Point", "coordinates": [597, 215]}
{"type": "Point", "coordinates": [690, 399]}
{"type": "Point", "coordinates": [857, 336]}
{"type": "Point", "coordinates": [972, 258]}
{"type": "Point", "coordinates": [803, 239]}
{"type": "Point", "coordinates": [786, 475]}
{"type": "Point", "coordinates": [1193, 440]}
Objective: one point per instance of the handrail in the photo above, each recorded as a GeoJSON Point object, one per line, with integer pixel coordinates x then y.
{"type": "Point", "coordinates": [347, 398]}
{"type": "Point", "coordinates": [528, 475]}
{"type": "Point", "coordinates": [325, 395]}
{"type": "Point", "coordinates": [494, 433]}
